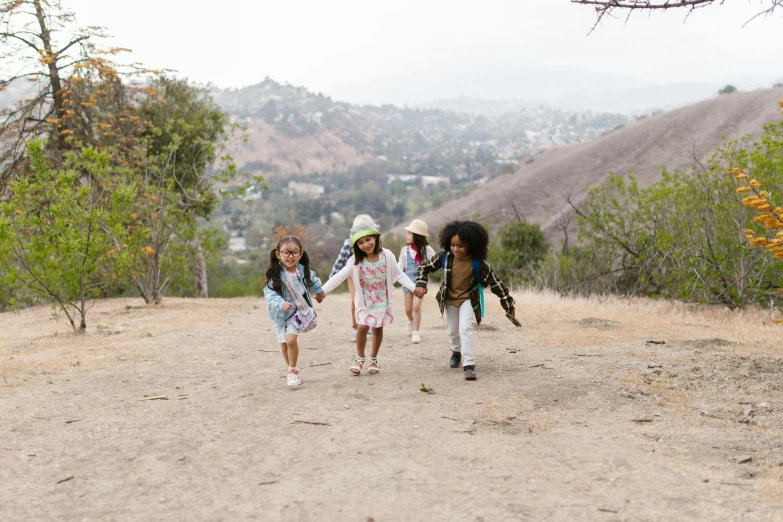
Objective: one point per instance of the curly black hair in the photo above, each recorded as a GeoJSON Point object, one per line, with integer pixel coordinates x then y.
{"type": "Point", "coordinates": [472, 234]}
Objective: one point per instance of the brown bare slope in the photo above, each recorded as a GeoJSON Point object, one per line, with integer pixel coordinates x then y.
{"type": "Point", "coordinates": [642, 148]}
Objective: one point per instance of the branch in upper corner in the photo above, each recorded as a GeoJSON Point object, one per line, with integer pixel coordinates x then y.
{"type": "Point", "coordinates": [606, 8]}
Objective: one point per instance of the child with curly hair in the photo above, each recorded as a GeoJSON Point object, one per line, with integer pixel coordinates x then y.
{"type": "Point", "coordinates": [465, 246]}
{"type": "Point", "coordinates": [373, 270]}
{"type": "Point", "coordinates": [289, 268]}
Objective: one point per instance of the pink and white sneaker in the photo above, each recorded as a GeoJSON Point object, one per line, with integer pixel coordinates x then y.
{"type": "Point", "coordinates": [293, 377]}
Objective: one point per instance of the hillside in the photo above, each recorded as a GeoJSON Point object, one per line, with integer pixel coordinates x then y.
{"type": "Point", "coordinates": [294, 131]}
{"type": "Point", "coordinates": [641, 148]}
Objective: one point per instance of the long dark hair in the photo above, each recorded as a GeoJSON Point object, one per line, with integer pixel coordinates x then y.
{"type": "Point", "coordinates": [274, 270]}
{"type": "Point", "coordinates": [420, 242]}
{"type": "Point", "coordinates": [473, 234]}
{"type": "Point", "coordinates": [358, 253]}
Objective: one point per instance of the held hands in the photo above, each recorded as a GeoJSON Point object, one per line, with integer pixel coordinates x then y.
{"type": "Point", "coordinates": [286, 306]}
{"type": "Point", "coordinates": [320, 297]}
{"type": "Point", "coordinates": [419, 292]}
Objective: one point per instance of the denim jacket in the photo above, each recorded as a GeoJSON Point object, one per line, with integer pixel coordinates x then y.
{"type": "Point", "coordinates": [275, 301]}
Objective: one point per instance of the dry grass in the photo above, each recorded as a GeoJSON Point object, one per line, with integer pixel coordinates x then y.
{"type": "Point", "coordinates": [628, 319]}
{"type": "Point", "coordinates": [34, 345]}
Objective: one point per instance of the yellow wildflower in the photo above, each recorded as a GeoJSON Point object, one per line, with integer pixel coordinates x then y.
{"type": "Point", "coordinates": [741, 190]}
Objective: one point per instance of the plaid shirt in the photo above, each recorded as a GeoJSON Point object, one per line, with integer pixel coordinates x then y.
{"type": "Point", "coordinates": [488, 277]}
{"type": "Point", "coordinates": [345, 254]}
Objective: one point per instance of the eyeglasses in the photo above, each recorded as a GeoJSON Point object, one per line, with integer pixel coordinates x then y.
{"type": "Point", "coordinates": [290, 253]}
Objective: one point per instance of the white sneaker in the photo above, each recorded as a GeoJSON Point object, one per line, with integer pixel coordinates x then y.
{"type": "Point", "coordinates": [410, 327]}
{"type": "Point", "coordinates": [294, 379]}
{"type": "Point", "coordinates": [415, 337]}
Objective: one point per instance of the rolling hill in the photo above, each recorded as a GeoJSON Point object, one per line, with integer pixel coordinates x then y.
{"type": "Point", "coordinates": [641, 148]}
{"type": "Point", "coordinates": [293, 131]}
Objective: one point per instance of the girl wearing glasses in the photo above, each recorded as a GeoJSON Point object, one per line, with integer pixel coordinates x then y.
{"type": "Point", "coordinates": [289, 267]}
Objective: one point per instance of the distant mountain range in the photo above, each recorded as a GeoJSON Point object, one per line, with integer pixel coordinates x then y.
{"type": "Point", "coordinates": [492, 80]}
{"type": "Point", "coordinates": [514, 84]}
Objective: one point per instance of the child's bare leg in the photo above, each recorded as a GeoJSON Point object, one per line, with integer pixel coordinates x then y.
{"type": "Point", "coordinates": [416, 313]}
{"type": "Point", "coordinates": [408, 308]}
{"type": "Point", "coordinates": [361, 339]}
{"type": "Point", "coordinates": [284, 349]}
{"type": "Point", "coordinates": [293, 349]}
{"type": "Point", "coordinates": [377, 339]}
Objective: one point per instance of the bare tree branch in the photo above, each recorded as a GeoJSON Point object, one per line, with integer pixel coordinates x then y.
{"type": "Point", "coordinates": [606, 8]}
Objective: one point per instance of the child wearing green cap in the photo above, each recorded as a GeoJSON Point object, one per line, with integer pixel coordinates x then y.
{"type": "Point", "coordinates": [373, 270]}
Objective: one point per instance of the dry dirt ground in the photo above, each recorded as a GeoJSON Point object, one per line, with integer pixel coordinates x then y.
{"type": "Point", "coordinates": [593, 410]}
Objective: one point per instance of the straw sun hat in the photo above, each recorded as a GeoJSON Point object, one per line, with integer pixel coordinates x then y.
{"type": "Point", "coordinates": [418, 226]}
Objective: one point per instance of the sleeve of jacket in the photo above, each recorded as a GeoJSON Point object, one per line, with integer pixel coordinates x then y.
{"type": "Point", "coordinates": [273, 299]}
{"type": "Point", "coordinates": [315, 283]}
{"type": "Point", "coordinates": [342, 258]}
{"type": "Point", "coordinates": [339, 277]}
{"type": "Point", "coordinates": [428, 266]}
{"type": "Point", "coordinates": [498, 288]}
{"type": "Point", "coordinates": [400, 276]}
{"type": "Point", "coordinates": [402, 257]}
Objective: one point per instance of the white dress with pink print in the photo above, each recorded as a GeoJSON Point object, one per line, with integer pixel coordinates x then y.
{"type": "Point", "coordinates": [373, 282]}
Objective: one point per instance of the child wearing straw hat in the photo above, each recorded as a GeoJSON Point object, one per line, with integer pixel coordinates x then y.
{"type": "Point", "coordinates": [373, 270]}
{"type": "Point", "coordinates": [415, 251]}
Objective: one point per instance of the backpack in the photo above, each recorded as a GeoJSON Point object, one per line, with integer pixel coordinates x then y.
{"type": "Point", "coordinates": [304, 318]}
{"type": "Point", "coordinates": [476, 276]}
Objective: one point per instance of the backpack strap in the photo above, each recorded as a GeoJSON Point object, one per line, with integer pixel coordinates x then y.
{"type": "Point", "coordinates": [479, 283]}
{"type": "Point", "coordinates": [477, 272]}
{"type": "Point", "coordinates": [299, 299]}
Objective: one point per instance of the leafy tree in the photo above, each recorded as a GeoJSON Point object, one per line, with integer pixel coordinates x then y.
{"type": "Point", "coordinates": [75, 86]}
{"type": "Point", "coordinates": [185, 136]}
{"type": "Point", "coordinates": [520, 247]}
{"type": "Point", "coordinates": [727, 89]}
{"type": "Point", "coordinates": [763, 160]}
{"type": "Point", "coordinates": [676, 239]}
{"type": "Point", "coordinates": [67, 235]}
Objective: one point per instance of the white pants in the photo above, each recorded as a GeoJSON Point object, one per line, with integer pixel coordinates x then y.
{"type": "Point", "coordinates": [459, 327]}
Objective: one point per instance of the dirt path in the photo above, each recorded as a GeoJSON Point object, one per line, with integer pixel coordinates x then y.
{"type": "Point", "coordinates": [574, 416]}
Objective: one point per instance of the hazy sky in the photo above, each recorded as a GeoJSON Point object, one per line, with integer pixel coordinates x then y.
{"type": "Point", "coordinates": [319, 43]}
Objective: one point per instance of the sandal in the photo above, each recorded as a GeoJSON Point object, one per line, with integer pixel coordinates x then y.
{"type": "Point", "coordinates": [373, 370]}
{"type": "Point", "coordinates": [356, 369]}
